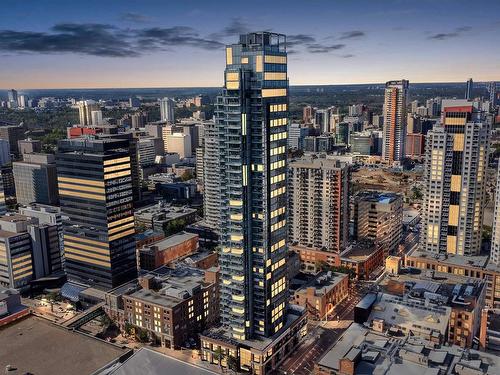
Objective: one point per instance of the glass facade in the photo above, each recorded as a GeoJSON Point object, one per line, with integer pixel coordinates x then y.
{"type": "Point", "coordinates": [251, 121]}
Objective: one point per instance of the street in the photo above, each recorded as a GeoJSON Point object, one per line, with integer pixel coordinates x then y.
{"type": "Point", "coordinates": [323, 335]}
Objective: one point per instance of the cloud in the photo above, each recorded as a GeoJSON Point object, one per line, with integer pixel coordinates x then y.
{"type": "Point", "coordinates": [352, 34]}
{"type": "Point", "coordinates": [320, 48]}
{"type": "Point", "coordinates": [453, 34]}
{"type": "Point", "coordinates": [87, 39]}
{"type": "Point", "coordinates": [299, 39]}
{"type": "Point", "coordinates": [159, 38]}
{"type": "Point", "coordinates": [135, 17]}
{"type": "Point", "coordinates": [102, 40]}
{"type": "Point", "coordinates": [236, 27]}
{"type": "Point", "coordinates": [347, 56]}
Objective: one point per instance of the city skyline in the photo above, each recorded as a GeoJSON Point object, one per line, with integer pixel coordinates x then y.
{"type": "Point", "coordinates": [133, 46]}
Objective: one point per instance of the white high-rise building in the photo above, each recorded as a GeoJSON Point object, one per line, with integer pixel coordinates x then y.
{"type": "Point", "coordinates": [167, 107]}
{"type": "Point", "coordinates": [96, 117]}
{"type": "Point", "coordinates": [495, 237]}
{"type": "Point", "coordinates": [85, 108]}
{"type": "Point", "coordinates": [179, 143]}
{"type": "Point", "coordinates": [396, 94]}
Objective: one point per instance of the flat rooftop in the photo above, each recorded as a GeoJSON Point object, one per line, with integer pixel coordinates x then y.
{"type": "Point", "coordinates": [33, 345]}
{"type": "Point", "coordinates": [147, 361]}
{"type": "Point", "coordinates": [478, 261]}
{"type": "Point", "coordinates": [378, 197]}
{"type": "Point", "coordinates": [168, 242]}
{"type": "Point", "coordinates": [323, 282]}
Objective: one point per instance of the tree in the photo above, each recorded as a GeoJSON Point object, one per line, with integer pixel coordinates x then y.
{"type": "Point", "coordinates": [142, 335]}
{"type": "Point", "coordinates": [219, 356]}
{"type": "Point", "coordinates": [129, 328]}
{"type": "Point", "coordinates": [232, 363]}
{"type": "Point", "coordinates": [417, 194]}
{"type": "Point", "coordinates": [174, 226]}
{"type": "Point", "coordinates": [187, 175]}
{"type": "Point", "coordinates": [53, 297]}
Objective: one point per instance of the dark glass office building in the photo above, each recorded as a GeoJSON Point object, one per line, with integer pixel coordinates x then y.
{"type": "Point", "coordinates": [95, 189]}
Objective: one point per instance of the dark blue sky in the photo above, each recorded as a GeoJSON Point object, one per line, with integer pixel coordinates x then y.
{"type": "Point", "coordinates": [149, 43]}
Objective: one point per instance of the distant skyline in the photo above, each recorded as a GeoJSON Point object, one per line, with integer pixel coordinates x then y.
{"type": "Point", "coordinates": [152, 43]}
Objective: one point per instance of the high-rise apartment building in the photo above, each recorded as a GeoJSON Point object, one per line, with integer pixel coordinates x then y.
{"type": "Point", "coordinates": [319, 204]}
{"type": "Point", "coordinates": [379, 217]}
{"type": "Point", "coordinates": [36, 179]}
{"type": "Point", "coordinates": [95, 193]}
{"type": "Point", "coordinates": [495, 237]}
{"type": "Point", "coordinates": [179, 143]}
{"type": "Point", "coordinates": [468, 89]}
{"type": "Point", "coordinates": [454, 177]}
{"type": "Point", "coordinates": [396, 94]}
{"type": "Point", "coordinates": [85, 109]}
{"type": "Point", "coordinates": [167, 108]}
{"type": "Point", "coordinates": [211, 177]}
{"type": "Point", "coordinates": [492, 91]}
{"type": "Point", "coordinates": [251, 118]}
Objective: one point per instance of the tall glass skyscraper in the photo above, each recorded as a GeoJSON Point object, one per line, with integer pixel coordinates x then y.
{"type": "Point", "coordinates": [95, 190]}
{"type": "Point", "coordinates": [396, 95]}
{"type": "Point", "coordinates": [251, 118]}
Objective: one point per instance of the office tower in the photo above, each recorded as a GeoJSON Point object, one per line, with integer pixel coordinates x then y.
{"type": "Point", "coordinates": [252, 118]}
{"type": "Point", "coordinates": [35, 179]}
{"type": "Point", "coordinates": [147, 151]}
{"type": "Point", "coordinates": [134, 102]}
{"type": "Point", "coordinates": [322, 120]}
{"type": "Point", "coordinates": [12, 95]}
{"type": "Point", "coordinates": [22, 101]}
{"type": "Point", "coordinates": [12, 133]}
{"type": "Point", "coordinates": [296, 135]}
{"type": "Point", "coordinates": [307, 114]}
{"type": "Point", "coordinates": [495, 237]}
{"type": "Point", "coordinates": [49, 215]}
{"type": "Point", "coordinates": [342, 134]}
{"type": "Point", "coordinates": [3, 204]}
{"type": "Point", "coordinates": [167, 108]}
{"type": "Point", "coordinates": [414, 106]}
{"type": "Point", "coordinates": [4, 152]}
{"type": "Point", "coordinates": [319, 204]}
{"type": "Point", "coordinates": [96, 117]}
{"type": "Point", "coordinates": [85, 108]}
{"type": "Point", "coordinates": [166, 130]}
{"type": "Point", "coordinates": [468, 90]}
{"type": "Point", "coordinates": [362, 143]}
{"type": "Point", "coordinates": [139, 120]}
{"type": "Point", "coordinates": [29, 146]}
{"type": "Point", "coordinates": [356, 109]}
{"type": "Point", "coordinates": [154, 130]}
{"type": "Point", "coordinates": [396, 93]}
{"type": "Point", "coordinates": [378, 120]}
{"type": "Point", "coordinates": [193, 131]}
{"type": "Point", "coordinates": [456, 158]}
{"type": "Point", "coordinates": [415, 145]}
{"type": "Point", "coordinates": [16, 265]}
{"type": "Point", "coordinates": [379, 217]}
{"type": "Point", "coordinates": [95, 193]}
{"type": "Point", "coordinates": [47, 257]}
{"type": "Point", "coordinates": [179, 143]}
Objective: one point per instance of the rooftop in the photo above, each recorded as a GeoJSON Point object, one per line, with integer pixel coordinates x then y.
{"type": "Point", "coordinates": [34, 345]}
{"type": "Point", "coordinates": [381, 354]}
{"type": "Point", "coordinates": [378, 197]}
{"type": "Point", "coordinates": [147, 361]}
{"type": "Point", "coordinates": [323, 283]}
{"type": "Point", "coordinates": [478, 261]}
{"type": "Point", "coordinates": [168, 242]}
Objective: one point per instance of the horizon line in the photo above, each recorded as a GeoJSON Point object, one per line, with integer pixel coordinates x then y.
{"type": "Point", "coordinates": [215, 87]}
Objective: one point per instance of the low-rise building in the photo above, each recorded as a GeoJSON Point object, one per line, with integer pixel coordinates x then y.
{"type": "Point", "coordinates": [158, 216]}
{"type": "Point", "coordinates": [11, 307]}
{"type": "Point", "coordinates": [360, 350]}
{"type": "Point", "coordinates": [263, 355]}
{"type": "Point", "coordinates": [167, 250]}
{"type": "Point", "coordinates": [364, 257]}
{"type": "Point", "coordinates": [173, 305]}
{"type": "Point", "coordinates": [322, 293]}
